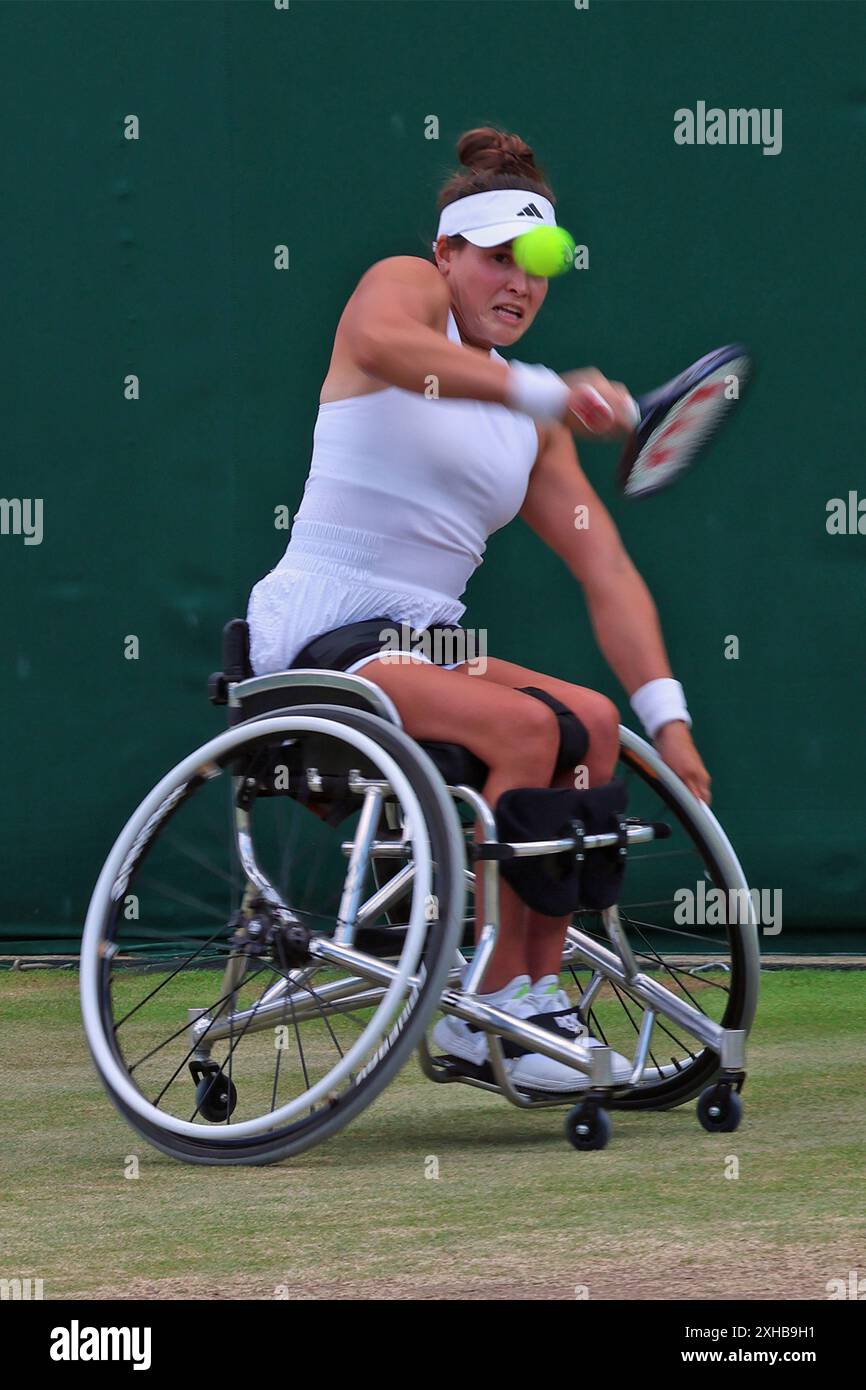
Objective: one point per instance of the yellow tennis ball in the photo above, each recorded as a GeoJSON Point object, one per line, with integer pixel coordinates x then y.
{"type": "Point", "coordinates": [544, 251]}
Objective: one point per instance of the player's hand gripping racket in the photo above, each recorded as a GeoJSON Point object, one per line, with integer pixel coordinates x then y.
{"type": "Point", "coordinates": [678, 420]}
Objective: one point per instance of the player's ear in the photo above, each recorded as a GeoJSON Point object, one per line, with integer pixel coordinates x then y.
{"type": "Point", "coordinates": [442, 252]}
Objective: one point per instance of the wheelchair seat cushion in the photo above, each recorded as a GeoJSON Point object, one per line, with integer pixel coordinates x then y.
{"type": "Point", "coordinates": [342, 646]}
{"type": "Point", "coordinates": [556, 884]}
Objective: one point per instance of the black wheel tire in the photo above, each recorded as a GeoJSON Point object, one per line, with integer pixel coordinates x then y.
{"type": "Point", "coordinates": [719, 1110]}
{"type": "Point", "coordinates": [587, 1126]}
{"type": "Point", "coordinates": [216, 1097]}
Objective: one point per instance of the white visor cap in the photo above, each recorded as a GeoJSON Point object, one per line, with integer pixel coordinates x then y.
{"type": "Point", "coordinates": [488, 219]}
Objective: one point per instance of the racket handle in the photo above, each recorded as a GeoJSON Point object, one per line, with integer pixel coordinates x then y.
{"type": "Point", "coordinates": [636, 411]}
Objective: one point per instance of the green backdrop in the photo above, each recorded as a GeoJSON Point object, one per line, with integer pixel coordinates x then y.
{"type": "Point", "coordinates": [306, 126]}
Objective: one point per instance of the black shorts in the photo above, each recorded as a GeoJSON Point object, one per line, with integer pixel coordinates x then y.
{"type": "Point", "coordinates": [348, 647]}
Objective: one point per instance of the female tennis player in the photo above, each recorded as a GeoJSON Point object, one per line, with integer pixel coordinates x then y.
{"type": "Point", "coordinates": [428, 440]}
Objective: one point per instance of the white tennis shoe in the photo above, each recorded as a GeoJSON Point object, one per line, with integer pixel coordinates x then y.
{"type": "Point", "coordinates": [528, 1070]}
{"type": "Point", "coordinates": [463, 1040]}
{"type": "Point", "coordinates": [549, 1007]}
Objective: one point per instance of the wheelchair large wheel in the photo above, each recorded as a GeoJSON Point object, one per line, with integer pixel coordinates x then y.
{"type": "Point", "coordinates": [232, 1009]}
{"type": "Point", "coordinates": [712, 964]}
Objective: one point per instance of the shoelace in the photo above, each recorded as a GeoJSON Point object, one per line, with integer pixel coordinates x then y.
{"type": "Point", "coordinates": [558, 1003]}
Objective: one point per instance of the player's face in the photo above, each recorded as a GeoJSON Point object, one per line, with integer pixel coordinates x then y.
{"type": "Point", "coordinates": [494, 300]}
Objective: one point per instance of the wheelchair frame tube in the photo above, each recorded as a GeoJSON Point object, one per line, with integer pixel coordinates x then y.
{"type": "Point", "coordinates": [490, 930]}
{"type": "Point", "coordinates": [728, 1043]}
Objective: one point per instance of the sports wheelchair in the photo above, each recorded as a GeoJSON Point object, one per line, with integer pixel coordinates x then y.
{"type": "Point", "coordinates": [257, 966]}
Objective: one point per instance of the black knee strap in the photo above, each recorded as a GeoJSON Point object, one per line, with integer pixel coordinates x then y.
{"type": "Point", "coordinates": [556, 884]}
{"type": "Point", "coordinates": [573, 737]}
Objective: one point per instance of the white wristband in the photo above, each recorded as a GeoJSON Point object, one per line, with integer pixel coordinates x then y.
{"type": "Point", "coordinates": [537, 391]}
{"type": "Point", "coordinates": [658, 702]}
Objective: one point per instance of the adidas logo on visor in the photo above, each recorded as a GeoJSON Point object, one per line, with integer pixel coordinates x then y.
{"type": "Point", "coordinates": [530, 211]}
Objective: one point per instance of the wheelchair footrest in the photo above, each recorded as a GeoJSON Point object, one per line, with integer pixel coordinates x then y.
{"type": "Point", "coordinates": [457, 1069]}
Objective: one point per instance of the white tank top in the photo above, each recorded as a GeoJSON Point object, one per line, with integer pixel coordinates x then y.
{"type": "Point", "coordinates": [419, 483]}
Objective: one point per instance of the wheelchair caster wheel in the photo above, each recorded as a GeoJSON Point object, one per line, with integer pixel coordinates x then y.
{"type": "Point", "coordinates": [587, 1126]}
{"type": "Point", "coordinates": [216, 1097]}
{"type": "Point", "coordinates": [719, 1109]}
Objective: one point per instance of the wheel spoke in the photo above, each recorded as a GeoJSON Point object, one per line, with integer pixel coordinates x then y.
{"type": "Point", "coordinates": [163, 983]}
{"type": "Point", "coordinates": [205, 980]}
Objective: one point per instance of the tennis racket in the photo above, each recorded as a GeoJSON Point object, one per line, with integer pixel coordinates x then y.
{"type": "Point", "coordinates": [678, 420]}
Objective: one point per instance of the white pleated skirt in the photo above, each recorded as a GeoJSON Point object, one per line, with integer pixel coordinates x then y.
{"type": "Point", "coordinates": [308, 594]}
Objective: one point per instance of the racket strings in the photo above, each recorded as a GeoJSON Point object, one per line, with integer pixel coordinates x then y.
{"type": "Point", "coordinates": [685, 428]}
